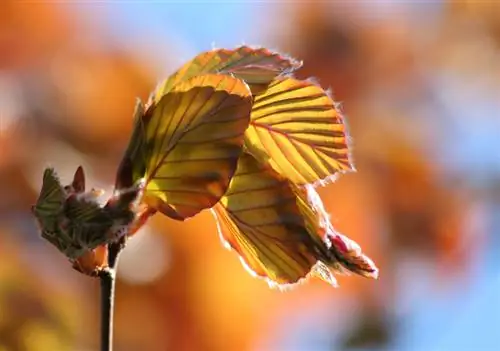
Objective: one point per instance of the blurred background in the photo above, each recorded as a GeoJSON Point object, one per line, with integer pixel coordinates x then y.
{"type": "Point", "coordinates": [419, 82]}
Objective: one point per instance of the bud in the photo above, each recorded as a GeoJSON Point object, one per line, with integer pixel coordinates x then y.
{"type": "Point", "coordinates": [92, 261]}
{"type": "Point", "coordinates": [77, 225]}
{"type": "Point", "coordinates": [77, 186]}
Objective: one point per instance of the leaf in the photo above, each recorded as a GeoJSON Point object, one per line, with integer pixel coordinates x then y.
{"type": "Point", "coordinates": [343, 254]}
{"type": "Point", "coordinates": [51, 199]}
{"type": "Point", "coordinates": [82, 210]}
{"type": "Point", "coordinates": [255, 66]}
{"type": "Point", "coordinates": [297, 129]}
{"type": "Point", "coordinates": [260, 217]}
{"type": "Point", "coordinates": [193, 138]}
{"type": "Point", "coordinates": [281, 231]}
{"type": "Point", "coordinates": [132, 167]}
{"type": "Point", "coordinates": [348, 256]}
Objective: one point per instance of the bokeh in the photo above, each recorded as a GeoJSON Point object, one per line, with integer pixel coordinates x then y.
{"type": "Point", "coordinates": [419, 82]}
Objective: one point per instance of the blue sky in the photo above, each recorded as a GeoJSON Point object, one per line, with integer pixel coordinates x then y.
{"type": "Point", "coordinates": [199, 24]}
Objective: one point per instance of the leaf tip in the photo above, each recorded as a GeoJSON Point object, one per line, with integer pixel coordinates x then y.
{"type": "Point", "coordinates": [323, 272]}
{"type": "Point", "coordinates": [348, 254]}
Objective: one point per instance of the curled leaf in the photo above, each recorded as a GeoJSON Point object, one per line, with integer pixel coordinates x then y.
{"type": "Point", "coordinates": [348, 256]}
{"type": "Point", "coordinates": [297, 128]}
{"type": "Point", "coordinates": [133, 165]}
{"type": "Point", "coordinates": [193, 138]}
{"type": "Point", "coordinates": [343, 255]}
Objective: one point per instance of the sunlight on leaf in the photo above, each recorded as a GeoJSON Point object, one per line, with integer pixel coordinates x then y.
{"type": "Point", "coordinates": [297, 129]}
{"type": "Point", "coordinates": [193, 139]}
{"type": "Point", "coordinates": [260, 218]}
{"type": "Point", "coordinates": [343, 256]}
{"type": "Point", "coordinates": [281, 231]}
{"type": "Point", "coordinates": [256, 67]}
{"type": "Point", "coordinates": [348, 257]}
{"type": "Point", "coordinates": [235, 132]}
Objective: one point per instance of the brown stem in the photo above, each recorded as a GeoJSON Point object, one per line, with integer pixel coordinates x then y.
{"type": "Point", "coordinates": [107, 277]}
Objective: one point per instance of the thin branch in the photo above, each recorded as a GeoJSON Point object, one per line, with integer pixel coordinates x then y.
{"type": "Point", "coordinates": [108, 277]}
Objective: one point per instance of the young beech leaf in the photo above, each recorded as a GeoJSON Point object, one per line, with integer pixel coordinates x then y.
{"type": "Point", "coordinates": [297, 129]}
{"type": "Point", "coordinates": [272, 225]}
{"type": "Point", "coordinates": [256, 66]}
{"type": "Point", "coordinates": [132, 166]}
{"type": "Point", "coordinates": [51, 199]}
{"type": "Point", "coordinates": [193, 137]}
{"type": "Point", "coordinates": [259, 218]}
{"type": "Point", "coordinates": [343, 255]}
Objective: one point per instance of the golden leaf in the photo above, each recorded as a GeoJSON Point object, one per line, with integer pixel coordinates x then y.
{"type": "Point", "coordinates": [260, 218]}
{"type": "Point", "coordinates": [256, 66]}
{"type": "Point", "coordinates": [193, 138]}
{"type": "Point", "coordinates": [281, 231]}
{"type": "Point", "coordinates": [297, 129]}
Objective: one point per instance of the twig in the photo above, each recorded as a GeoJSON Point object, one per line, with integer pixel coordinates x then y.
{"type": "Point", "coordinates": [107, 277]}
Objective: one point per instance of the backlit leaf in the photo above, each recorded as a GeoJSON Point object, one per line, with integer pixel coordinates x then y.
{"type": "Point", "coordinates": [343, 254]}
{"type": "Point", "coordinates": [260, 218]}
{"type": "Point", "coordinates": [296, 128]}
{"type": "Point", "coordinates": [347, 256]}
{"type": "Point", "coordinates": [132, 166]}
{"type": "Point", "coordinates": [193, 138]}
{"type": "Point", "coordinates": [281, 231]}
{"type": "Point", "coordinates": [255, 66]}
